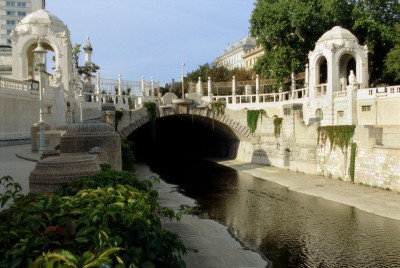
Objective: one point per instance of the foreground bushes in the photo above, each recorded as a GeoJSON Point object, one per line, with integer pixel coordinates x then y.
{"type": "Point", "coordinates": [109, 220]}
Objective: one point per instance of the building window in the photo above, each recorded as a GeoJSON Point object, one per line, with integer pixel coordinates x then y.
{"type": "Point", "coordinates": [21, 13]}
{"type": "Point", "coordinates": [21, 4]}
{"type": "Point", "coordinates": [49, 109]}
{"type": "Point", "coordinates": [319, 114]}
{"type": "Point", "coordinates": [8, 41]}
{"type": "Point", "coordinates": [12, 13]}
{"type": "Point", "coordinates": [11, 22]}
{"type": "Point", "coordinates": [366, 108]}
{"type": "Point", "coordinates": [8, 31]}
{"type": "Point", "coordinates": [10, 4]}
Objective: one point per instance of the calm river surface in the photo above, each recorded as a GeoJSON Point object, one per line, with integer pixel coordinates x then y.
{"type": "Point", "coordinates": [291, 229]}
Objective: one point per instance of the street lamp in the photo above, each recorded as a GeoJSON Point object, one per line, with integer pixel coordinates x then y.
{"type": "Point", "coordinates": [40, 61]}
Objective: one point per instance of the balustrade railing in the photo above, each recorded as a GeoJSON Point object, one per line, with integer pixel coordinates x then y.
{"type": "Point", "coordinates": [18, 87]}
{"type": "Point", "coordinates": [320, 89]}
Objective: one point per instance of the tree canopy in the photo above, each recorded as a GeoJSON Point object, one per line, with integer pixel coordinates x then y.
{"type": "Point", "coordinates": [218, 74]}
{"type": "Point", "coordinates": [288, 30]}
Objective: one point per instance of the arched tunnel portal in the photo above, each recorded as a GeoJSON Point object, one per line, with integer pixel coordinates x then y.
{"type": "Point", "coordinates": [184, 136]}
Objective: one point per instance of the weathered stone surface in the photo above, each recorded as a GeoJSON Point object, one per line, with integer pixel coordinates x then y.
{"type": "Point", "coordinates": [54, 171]}
{"type": "Point", "coordinates": [82, 137]}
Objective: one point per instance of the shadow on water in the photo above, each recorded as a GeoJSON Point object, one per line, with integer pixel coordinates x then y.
{"type": "Point", "coordinates": [291, 229]}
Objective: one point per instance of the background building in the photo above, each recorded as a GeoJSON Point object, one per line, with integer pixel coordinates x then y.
{"type": "Point", "coordinates": [12, 12]}
{"type": "Point", "coordinates": [233, 55]}
{"type": "Point", "coordinates": [251, 55]}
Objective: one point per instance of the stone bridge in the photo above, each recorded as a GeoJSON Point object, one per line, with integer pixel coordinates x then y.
{"type": "Point", "coordinates": [228, 122]}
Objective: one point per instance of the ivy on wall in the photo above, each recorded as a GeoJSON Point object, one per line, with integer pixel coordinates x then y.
{"type": "Point", "coordinates": [277, 126]}
{"type": "Point", "coordinates": [118, 116]}
{"type": "Point", "coordinates": [151, 110]}
{"type": "Point", "coordinates": [337, 135]}
{"type": "Point", "coordinates": [127, 155]}
{"type": "Point", "coordinates": [217, 109]}
{"type": "Point", "coordinates": [353, 155]}
{"type": "Point", "coordinates": [252, 117]}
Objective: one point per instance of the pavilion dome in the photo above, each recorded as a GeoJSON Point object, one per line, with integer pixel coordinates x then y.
{"type": "Point", "coordinates": [42, 16]}
{"type": "Point", "coordinates": [337, 33]}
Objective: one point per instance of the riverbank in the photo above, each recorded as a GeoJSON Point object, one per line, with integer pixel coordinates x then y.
{"type": "Point", "coordinates": [372, 200]}
{"type": "Point", "coordinates": [211, 241]}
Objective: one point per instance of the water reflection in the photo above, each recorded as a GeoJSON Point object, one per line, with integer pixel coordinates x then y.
{"type": "Point", "coordinates": [291, 229]}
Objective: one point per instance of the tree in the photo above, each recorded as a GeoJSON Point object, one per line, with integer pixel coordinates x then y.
{"type": "Point", "coordinates": [288, 30]}
{"type": "Point", "coordinates": [218, 74]}
{"type": "Point", "coordinates": [76, 51]}
{"type": "Point", "coordinates": [392, 61]}
{"type": "Point", "coordinates": [88, 69]}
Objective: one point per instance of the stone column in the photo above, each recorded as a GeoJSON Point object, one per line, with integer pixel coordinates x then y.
{"type": "Point", "coordinates": [119, 88]}
{"type": "Point", "coordinates": [257, 89]}
{"type": "Point", "coordinates": [143, 90]}
{"type": "Point", "coordinates": [152, 86]}
{"type": "Point", "coordinates": [352, 99]}
{"type": "Point", "coordinates": [199, 87]}
{"type": "Point", "coordinates": [98, 89]}
{"type": "Point", "coordinates": [293, 86]}
{"type": "Point", "coordinates": [234, 90]}
{"type": "Point", "coordinates": [209, 91]}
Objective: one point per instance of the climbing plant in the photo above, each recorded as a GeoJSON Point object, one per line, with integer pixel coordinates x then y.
{"type": "Point", "coordinates": [252, 117]}
{"type": "Point", "coordinates": [151, 110]}
{"type": "Point", "coordinates": [127, 155]}
{"type": "Point", "coordinates": [337, 135]}
{"type": "Point", "coordinates": [217, 109]}
{"type": "Point", "coordinates": [118, 116]}
{"type": "Point", "coordinates": [277, 126]}
{"type": "Point", "coordinates": [353, 160]}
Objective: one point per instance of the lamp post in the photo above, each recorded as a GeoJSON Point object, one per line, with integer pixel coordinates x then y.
{"type": "Point", "coordinates": [40, 61]}
{"type": "Point", "coordinates": [183, 85]}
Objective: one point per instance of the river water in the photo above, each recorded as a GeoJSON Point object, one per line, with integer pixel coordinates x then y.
{"type": "Point", "coordinates": [291, 229]}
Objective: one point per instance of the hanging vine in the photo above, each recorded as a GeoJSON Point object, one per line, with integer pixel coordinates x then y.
{"type": "Point", "coordinates": [277, 126]}
{"type": "Point", "coordinates": [217, 109]}
{"type": "Point", "coordinates": [337, 135]}
{"type": "Point", "coordinates": [117, 117]}
{"type": "Point", "coordinates": [252, 117]}
{"type": "Point", "coordinates": [151, 110]}
{"type": "Point", "coordinates": [353, 155]}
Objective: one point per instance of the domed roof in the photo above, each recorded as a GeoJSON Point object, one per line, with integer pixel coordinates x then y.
{"type": "Point", "coordinates": [92, 127]}
{"type": "Point", "coordinates": [42, 16]}
{"type": "Point", "coordinates": [335, 33]}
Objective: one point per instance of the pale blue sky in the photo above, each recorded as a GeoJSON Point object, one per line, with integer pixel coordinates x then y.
{"type": "Point", "coordinates": [150, 37]}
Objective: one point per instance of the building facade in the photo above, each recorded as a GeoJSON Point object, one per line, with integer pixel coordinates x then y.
{"type": "Point", "coordinates": [233, 55]}
{"type": "Point", "coordinates": [251, 55]}
{"type": "Point", "coordinates": [12, 12]}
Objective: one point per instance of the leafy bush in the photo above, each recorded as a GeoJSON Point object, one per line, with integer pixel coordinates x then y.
{"type": "Point", "coordinates": [252, 117]}
{"type": "Point", "coordinates": [108, 219]}
{"type": "Point", "coordinates": [127, 155]}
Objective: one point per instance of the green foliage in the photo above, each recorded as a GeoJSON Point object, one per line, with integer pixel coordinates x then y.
{"type": "Point", "coordinates": [218, 74]}
{"type": "Point", "coordinates": [288, 30]}
{"type": "Point", "coordinates": [127, 155]}
{"type": "Point", "coordinates": [217, 109]}
{"type": "Point", "coordinates": [151, 110]}
{"type": "Point", "coordinates": [76, 51]}
{"type": "Point", "coordinates": [353, 155]}
{"type": "Point", "coordinates": [337, 135]}
{"type": "Point", "coordinates": [277, 126]}
{"type": "Point", "coordinates": [88, 69]}
{"type": "Point", "coordinates": [392, 60]}
{"type": "Point", "coordinates": [109, 219]}
{"type": "Point", "coordinates": [252, 118]}
{"type": "Point", "coordinates": [118, 116]}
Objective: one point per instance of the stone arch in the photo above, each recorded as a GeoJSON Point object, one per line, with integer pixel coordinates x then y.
{"type": "Point", "coordinates": [321, 69]}
{"type": "Point", "coordinates": [319, 115]}
{"type": "Point", "coordinates": [135, 119]}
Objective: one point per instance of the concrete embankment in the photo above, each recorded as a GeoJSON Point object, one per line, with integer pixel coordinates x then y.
{"type": "Point", "coordinates": [373, 200]}
{"type": "Point", "coordinates": [211, 241]}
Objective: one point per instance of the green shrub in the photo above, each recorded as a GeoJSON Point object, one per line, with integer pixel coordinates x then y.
{"type": "Point", "coordinates": [252, 117]}
{"type": "Point", "coordinates": [109, 219]}
{"type": "Point", "coordinates": [151, 111]}
{"type": "Point", "coordinates": [118, 117]}
{"type": "Point", "coordinates": [277, 126]}
{"type": "Point", "coordinates": [127, 155]}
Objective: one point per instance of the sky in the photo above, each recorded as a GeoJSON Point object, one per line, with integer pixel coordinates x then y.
{"type": "Point", "coordinates": [150, 37]}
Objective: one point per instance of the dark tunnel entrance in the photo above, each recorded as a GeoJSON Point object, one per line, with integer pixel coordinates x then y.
{"type": "Point", "coordinates": [184, 136]}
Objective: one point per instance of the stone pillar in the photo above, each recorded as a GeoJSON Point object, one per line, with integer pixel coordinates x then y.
{"type": "Point", "coordinates": [98, 89]}
{"type": "Point", "coordinates": [199, 87]}
{"type": "Point", "coordinates": [143, 90]}
{"type": "Point", "coordinates": [306, 81]}
{"type": "Point", "coordinates": [257, 89]}
{"type": "Point", "coordinates": [293, 86]}
{"type": "Point", "coordinates": [152, 86]}
{"type": "Point", "coordinates": [234, 90]}
{"type": "Point", "coordinates": [209, 91]}
{"type": "Point", "coordinates": [120, 88]}
{"type": "Point", "coordinates": [352, 99]}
